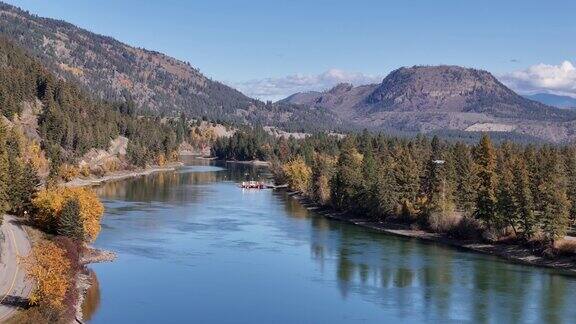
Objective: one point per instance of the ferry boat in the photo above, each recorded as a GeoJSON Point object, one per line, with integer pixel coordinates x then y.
{"type": "Point", "coordinates": [252, 185]}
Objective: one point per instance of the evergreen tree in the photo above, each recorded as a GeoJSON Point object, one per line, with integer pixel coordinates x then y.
{"type": "Point", "coordinates": [4, 172]}
{"type": "Point", "coordinates": [466, 181]}
{"type": "Point", "coordinates": [486, 201]}
{"type": "Point", "coordinates": [569, 154]}
{"type": "Point", "coordinates": [555, 206]}
{"type": "Point", "coordinates": [70, 223]}
{"type": "Point", "coordinates": [506, 205]}
{"type": "Point", "coordinates": [386, 194]}
{"type": "Point", "coordinates": [347, 182]}
{"type": "Point", "coordinates": [524, 204]}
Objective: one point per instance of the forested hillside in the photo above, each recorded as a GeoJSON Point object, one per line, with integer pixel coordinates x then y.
{"type": "Point", "coordinates": [69, 122]}
{"type": "Point", "coordinates": [110, 70]}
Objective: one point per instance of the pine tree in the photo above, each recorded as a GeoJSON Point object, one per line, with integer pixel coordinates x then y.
{"type": "Point", "coordinates": [466, 180]}
{"type": "Point", "coordinates": [569, 154]}
{"type": "Point", "coordinates": [436, 185]}
{"type": "Point", "coordinates": [70, 223]}
{"type": "Point", "coordinates": [506, 205]}
{"type": "Point", "coordinates": [4, 172]}
{"type": "Point", "coordinates": [347, 182]}
{"type": "Point", "coordinates": [386, 193]}
{"type": "Point", "coordinates": [524, 204]}
{"type": "Point", "coordinates": [555, 206]}
{"type": "Point", "coordinates": [486, 201]}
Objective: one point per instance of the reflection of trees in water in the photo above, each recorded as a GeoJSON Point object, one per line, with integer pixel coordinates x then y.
{"type": "Point", "coordinates": [182, 186]}
{"type": "Point", "coordinates": [436, 281]}
{"type": "Point", "coordinates": [92, 297]}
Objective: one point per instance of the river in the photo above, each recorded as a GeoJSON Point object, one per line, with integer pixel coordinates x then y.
{"type": "Point", "coordinates": [193, 247]}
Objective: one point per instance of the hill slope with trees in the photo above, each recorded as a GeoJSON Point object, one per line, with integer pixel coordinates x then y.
{"type": "Point", "coordinates": [157, 83]}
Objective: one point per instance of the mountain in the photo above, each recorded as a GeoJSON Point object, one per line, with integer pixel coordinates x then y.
{"type": "Point", "coordinates": [112, 70]}
{"type": "Point", "coordinates": [433, 98]}
{"type": "Point", "coordinates": [553, 100]}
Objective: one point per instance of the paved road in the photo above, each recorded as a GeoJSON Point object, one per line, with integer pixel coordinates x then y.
{"type": "Point", "coordinates": [14, 287]}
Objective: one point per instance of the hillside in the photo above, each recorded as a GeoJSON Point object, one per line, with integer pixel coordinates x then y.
{"type": "Point", "coordinates": [431, 98]}
{"type": "Point", "coordinates": [156, 82]}
{"type": "Point", "coordinates": [67, 123]}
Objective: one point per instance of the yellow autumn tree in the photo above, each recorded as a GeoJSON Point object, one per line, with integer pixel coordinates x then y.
{"type": "Point", "coordinates": [49, 204]}
{"type": "Point", "coordinates": [49, 268]}
{"type": "Point", "coordinates": [298, 174]}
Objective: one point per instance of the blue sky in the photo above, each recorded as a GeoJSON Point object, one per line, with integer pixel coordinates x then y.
{"type": "Point", "coordinates": [263, 46]}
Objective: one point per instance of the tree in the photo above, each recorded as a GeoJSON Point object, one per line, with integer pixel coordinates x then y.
{"type": "Point", "coordinates": [298, 174]}
{"type": "Point", "coordinates": [23, 177]}
{"type": "Point", "coordinates": [347, 181]}
{"type": "Point", "coordinates": [70, 223]}
{"type": "Point", "coordinates": [48, 266]}
{"type": "Point", "coordinates": [4, 172]}
{"type": "Point", "coordinates": [466, 180]}
{"type": "Point", "coordinates": [507, 213]}
{"type": "Point", "coordinates": [50, 202]}
{"type": "Point", "coordinates": [436, 186]}
{"type": "Point", "coordinates": [555, 206]}
{"type": "Point", "coordinates": [486, 201]}
{"type": "Point", "coordinates": [524, 204]}
{"type": "Point", "coordinates": [322, 172]}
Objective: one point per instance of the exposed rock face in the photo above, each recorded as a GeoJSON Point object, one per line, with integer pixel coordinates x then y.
{"type": "Point", "coordinates": [431, 98]}
{"type": "Point", "coordinates": [101, 161]}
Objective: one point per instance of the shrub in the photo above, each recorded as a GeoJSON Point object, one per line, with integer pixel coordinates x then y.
{"type": "Point", "coordinates": [443, 222]}
{"type": "Point", "coordinates": [85, 170]}
{"type": "Point", "coordinates": [68, 172]}
{"type": "Point", "coordinates": [467, 228]}
{"type": "Point", "coordinates": [565, 247]}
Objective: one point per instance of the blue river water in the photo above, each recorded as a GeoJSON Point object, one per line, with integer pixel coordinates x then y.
{"type": "Point", "coordinates": [194, 248]}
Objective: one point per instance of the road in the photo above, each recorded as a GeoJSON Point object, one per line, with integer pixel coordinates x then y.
{"type": "Point", "coordinates": [14, 286]}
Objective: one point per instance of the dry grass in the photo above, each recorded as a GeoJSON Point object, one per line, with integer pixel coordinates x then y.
{"type": "Point", "coordinates": [565, 247]}
{"type": "Point", "coordinates": [444, 223]}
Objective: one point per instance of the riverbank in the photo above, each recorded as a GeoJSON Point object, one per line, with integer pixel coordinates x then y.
{"type": "Point", "coordinates": [253, 162]}
{"type": "Point", "coordinates": [121, 175]}
{"type": "Point", "coordinates": [511, 252]}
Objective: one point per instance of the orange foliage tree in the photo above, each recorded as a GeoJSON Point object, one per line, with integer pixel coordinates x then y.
{"type": "Point", "coordinates": [49, 204]}
{"type": "Point", "coordinates": [48, 266]}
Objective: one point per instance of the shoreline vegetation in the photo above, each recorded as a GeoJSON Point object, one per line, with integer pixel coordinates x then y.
{"type": "Point", "coordinates": [121, 175]}
{"type": "Point", "coordinates": [514, 253]}
{"type": "Point", "coordinates": [513, 201]}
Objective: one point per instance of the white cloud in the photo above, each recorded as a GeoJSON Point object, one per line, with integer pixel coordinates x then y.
{"type": "Point", "coordinates": [279, 88]}
{"type": "Point", "coordinates": [557, 79]}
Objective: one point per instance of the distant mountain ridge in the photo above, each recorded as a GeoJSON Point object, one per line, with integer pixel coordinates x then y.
{"type": "Point", "coordinates": [553, 100]}
{"type": "Point", "coordinates": [156, 82]}
{"type": "Point", "coordinates": [431, 98]}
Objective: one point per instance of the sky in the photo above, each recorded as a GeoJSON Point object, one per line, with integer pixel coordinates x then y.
{"type": "Point", "coordinates": [272, 48]}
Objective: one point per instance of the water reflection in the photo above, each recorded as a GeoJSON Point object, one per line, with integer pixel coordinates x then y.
{"type": "Point", "coordinates": [439, 282]}
{"type": "Point", "coordinates": [91, 298]}
{"type": "Point", "coordinates": [195, 238]}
